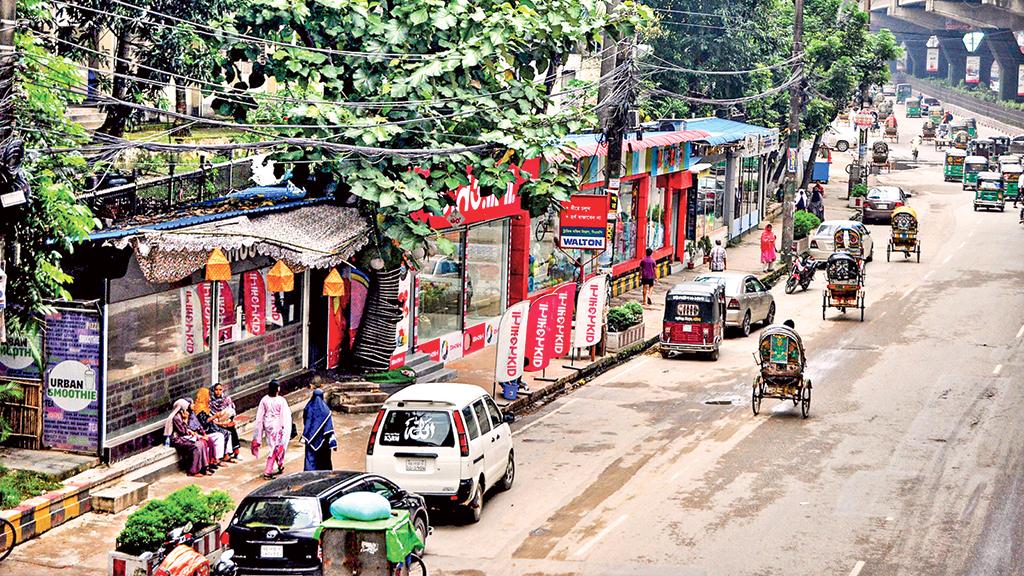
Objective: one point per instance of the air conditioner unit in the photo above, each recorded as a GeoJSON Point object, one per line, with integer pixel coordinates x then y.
{"type": "Point", "coordinates": [632, 119]}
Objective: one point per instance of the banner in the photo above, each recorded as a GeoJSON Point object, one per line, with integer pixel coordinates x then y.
{"type": "Point", "coordinates": [564, 306]}
{"type": "Point", "coordinates": [71, 402]}
{"type": "Point", "coordinates": [225, 309]}
{"type": "Point", "coordinates": [932, 62]}
{"type": "Point", "coordinates": [583, 222]}
{"type": "Point", "coordinates": [994, 74]}
{"type": "Point", "coordinates": [1020, 80]}
{"type": "Point", "coordinates": [190, 321]}
{"type": "Point", "coordinates": [254, 303]}
{"type": "Point", "coordinates": [18, 356]}
{"type": "Point", "coordinates": [973, 75]}
{"type": "Point", "coordinates": [539, 331]}
{"type": "Point", "coordinates": [590, 311]}
{"type": "Point", "coordinates": [508, 363]}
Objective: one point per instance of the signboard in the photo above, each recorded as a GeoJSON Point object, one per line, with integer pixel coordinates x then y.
{"type": "Point", "coordinates": [973, 75]}
{"type": "Point", "coordinates": [583, 222]}
{"type": "Point", "coordinates": [932, 61]}
{"type": "Point", "coordinates": [471, 205]}
{"type": "Point", "coordinates": [792, 158]}
{"type": "Point", "coordinates": [539, 331]}
{"type": "Point", "coordinates": [508, 362]}
{"type": "Point", "coordinates": [17, 359]}
{"type": "Point", "coordinates": [1019, 36]}
{"type": "Point", "coordinates": [254, 302]}
{"type": "Point", "coordinates": [590, 311]}
{"type": "Point", "coordinates": [402, 328]}
{"type": "Point", "coordinates": [933, 42]}
{"type": "Point", "coordinates": [71, 400]}
{"type": "Point", "coordinates": [972, 40]}
{"type": "Point", "coordinates": [994, 74]}
{"type": "Point", "coordinates": [1020, 80]}
{"type": "Point", "coordinates": [691, 213]}
{"type": "Point", "coordinates": [565, 300]}
{"type": "Point", "coordinates": [191, 340]}
{"type": "Point", "coordinates": [864, 118]}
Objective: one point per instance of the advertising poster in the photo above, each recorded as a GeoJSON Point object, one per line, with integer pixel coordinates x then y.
{"type": "Point", "coordinates": [18, 354]}
{"type": "Point", "coordinates": [191, 341]}
{"type": "Point", "coordinates": [973, 75]}
{"type": "Point", "coordinates": [254, 302]}
{"type": "Point", "coordinates": [932, 61]}
{"type": "Point", "coordinates": [508, 361]}
{"type": "Point", "coordinates": [403, 331]}
{"type": "Point", "coordinates": [1020, 80]}
{"type": "Point", "coordinates": [583, 222]}
{"type": "Point", "coordinates": [225, 309]}
{"type": "Point", "coordinates": [539, 331]}
{"type": "Point", "coordinates": [994, 75]}
{"type": "Point", "coordinates": [565, 304]}
{"type": "Point", "coordinates": [590, 311]}
{"type": "Point", "coordinates": [71, 400]}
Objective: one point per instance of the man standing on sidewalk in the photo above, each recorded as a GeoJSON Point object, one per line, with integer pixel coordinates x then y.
{"type": "Point", "coordinates": [647, 276]}
{"type": "Point", "coordinates": [718, 263]}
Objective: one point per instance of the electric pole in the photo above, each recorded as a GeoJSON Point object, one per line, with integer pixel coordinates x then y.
{"type": "Point", "coordinates": [8, 19]}
{"type": "Point", "coordinates": [609, 59]}
{"type": "Point", "coordinates": [793, 147]}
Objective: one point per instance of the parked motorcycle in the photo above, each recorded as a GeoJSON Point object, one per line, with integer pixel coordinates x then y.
{"type": "Point", "coordinates": [177, 557]}
{"type": "Point", "coordinates": [801, 273]}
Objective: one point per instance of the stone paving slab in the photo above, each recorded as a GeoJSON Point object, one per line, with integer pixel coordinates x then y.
{"type": "Point", "coordinates": [57, 465]}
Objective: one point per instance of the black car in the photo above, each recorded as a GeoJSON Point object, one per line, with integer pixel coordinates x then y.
{"type": "Point", "coordinates": [272, 529]}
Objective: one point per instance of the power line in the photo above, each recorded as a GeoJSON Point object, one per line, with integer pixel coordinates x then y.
{"type": "Point", "coordinates": [670, 67]}
{"type": "Point", "coordinates": [729, 101]}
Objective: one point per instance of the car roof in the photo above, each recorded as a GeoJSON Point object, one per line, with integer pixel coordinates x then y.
{"type": "Point", "coordinates": [438, 392]}
{"type": "Point", "coordinates": [693, 288]}
{"type": "Point", "coordinates": [992, 175]}
{"type": "Point", "coordinates": [841, 223]}
{"type": "Point", "coordinates": [886, 188]}
{"type": "Point", "coordinates": [977, 159]}
{"type": "Point", "coordinates": [306, 484]}
{"type": "Point", "coordinates": [725, 275]}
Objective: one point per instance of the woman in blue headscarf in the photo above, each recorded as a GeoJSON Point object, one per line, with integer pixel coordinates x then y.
{"type": "Point", "coordinates": [318, 433]}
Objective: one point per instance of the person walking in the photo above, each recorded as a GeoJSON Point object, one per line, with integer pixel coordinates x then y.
{"type": "Point", "coordinates": [223, 409]}
{"type": "Point", "coordinates": [817, 204]}
{"type": "Point", "coordinates": [801, 200]}
{"type": "Point", "coordinates": [273, 424]}
{"type": "Point", "coordinates": [647, 276]}
{"type": "Point", "coordinates": [318, 432]}
{"type": "Point", "coordinates": [768, 248]}
{"type": "Point", "coordinates": [718, 257]}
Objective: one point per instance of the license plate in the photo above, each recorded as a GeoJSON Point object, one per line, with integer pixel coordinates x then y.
{"type": "Point", "coordinates": [881, 206]}
{"type": "Point", "coordinates": [687, 328]}
{"type": "Point", "coordinates": [271, 551]}
{"type": "Point", "coordinates": [415, 465]}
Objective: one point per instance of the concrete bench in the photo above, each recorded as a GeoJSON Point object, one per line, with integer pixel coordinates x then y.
{"type": "Point", "coordinates": [117, 498]}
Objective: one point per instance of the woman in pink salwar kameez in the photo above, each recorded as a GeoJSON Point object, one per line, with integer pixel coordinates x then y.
{"type": "Point", "coordinates": [273, 427]}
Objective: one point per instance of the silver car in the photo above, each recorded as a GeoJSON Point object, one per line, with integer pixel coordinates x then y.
{"type": "Point", "coordinates": [747, 299]}
{"type": "Point", "coordinates": [823, 244]}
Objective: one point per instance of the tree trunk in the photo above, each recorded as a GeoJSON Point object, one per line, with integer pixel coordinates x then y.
{"type": "Point", "coordinates": [117, 116]}
{"type": "Point", "coordinates": [809, 167]}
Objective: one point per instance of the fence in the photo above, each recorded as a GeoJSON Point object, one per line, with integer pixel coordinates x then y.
{"type": "Point", "coordinates": [163, 194]}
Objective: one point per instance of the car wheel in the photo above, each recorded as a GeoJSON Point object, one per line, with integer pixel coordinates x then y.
{"type": "Point", "coordinates": [745, 327]}
{"type": "Point", "coordinates": [842, 145]}
{"type": "Point", "coordinates": [871, 255]}
{"type": "Point", "coordinates": [510, 473]}
{"type": "Point", "coordinates": [420, 526]}
{"type": "Point", "coordinates": [476, 504]}
{"type": "Point", "coordinates": [771, 315]}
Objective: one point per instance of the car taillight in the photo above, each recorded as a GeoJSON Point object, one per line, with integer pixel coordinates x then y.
{"type": "Point", "coordinates": [373, 433]}
{"type": "Point", "coordinates": [319, 552]}
{"type": "Point", "coordinates": [734, 304]}
{"type": "Point", "coordinates": [668, 330]}
{"type": "Point", "coordinates": [898, 204]}
{"type": "Point", "coordinates": [225, 539]}
{"type": "Point", "coordinates": [460, 428]}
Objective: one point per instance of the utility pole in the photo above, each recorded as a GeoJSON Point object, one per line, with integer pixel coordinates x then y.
{"type": "Point", "coordinates": [7, 54]}
{"type": "Point", "coordinates": [793, 148]}
{"type": "Point", "coordinates": [609, 59]}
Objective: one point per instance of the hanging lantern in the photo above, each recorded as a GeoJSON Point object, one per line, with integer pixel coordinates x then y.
{"type": "Point", "coordinates": [280, 278]}
{"type": "Point", "coordinates": [334, 284]}
{"type": "Point", "coordinates": [217, 267]}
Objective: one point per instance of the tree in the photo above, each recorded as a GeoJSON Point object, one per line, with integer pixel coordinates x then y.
{"type": "Point", "coordinates": [423, 74]}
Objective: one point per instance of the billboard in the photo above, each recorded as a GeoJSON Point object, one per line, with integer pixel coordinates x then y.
{"type": "Point", "coordinates": [973, 75]}
{"type": "Point", "coordinates": [932, 62]}
{"type": "Point", "coordinates": [583, 222]}
{"type": "Point", "coordinates": [71, 396]}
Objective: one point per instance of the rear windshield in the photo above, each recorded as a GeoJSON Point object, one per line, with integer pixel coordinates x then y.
{"type": "Point", "coordinates": [825, 230]}
{"type": "Point", "coordinates": [732, 283]}
{"type": "Point", "coordinates": [419, 428]}
{"type": "Point", "coordinates": [883, 194]}
{"type": "Point", "coordinates": [280, 513]}
{"type": "Point", "coordinates": [688, 309]}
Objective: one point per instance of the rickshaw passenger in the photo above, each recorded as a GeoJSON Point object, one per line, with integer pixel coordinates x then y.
{"type": "Point", "coordinates": [799, 341]}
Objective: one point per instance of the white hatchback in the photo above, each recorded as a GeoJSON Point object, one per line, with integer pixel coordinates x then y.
{"type": "Point", "coordinates": [447, 442]}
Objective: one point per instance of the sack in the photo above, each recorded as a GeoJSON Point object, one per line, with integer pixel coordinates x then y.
{"type": "Point", "coordinates": [363, 506]}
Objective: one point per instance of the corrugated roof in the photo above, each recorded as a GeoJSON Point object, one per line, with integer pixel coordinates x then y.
{"type": "Point", "coordinates": [589, 145]}
{"type": "Point", "coordinates": [720, 131]}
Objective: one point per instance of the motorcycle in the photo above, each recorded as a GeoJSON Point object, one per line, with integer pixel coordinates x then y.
{"type": "Point", "coordinates": [177, 557]}
{"type": "Point", "coordinates": [802, 273]}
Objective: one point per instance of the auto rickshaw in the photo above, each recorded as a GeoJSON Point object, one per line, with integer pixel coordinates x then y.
{"type": "Point", "coordinates": [903, 92]}
{"type": "Point", "coordinates": [961, 139]}
{"type": "Point", "coordinates": [781, 358]}
{"type": "Point", "coordinates": [1017, 145]}
{"type": "Point", "coordinates": [845, 284]}
{"type": "Point", "coordinates": [953, 167]}
{"type": "Point", "coordinates": [981, 147]}
{"type": "Point", "coordinates": [1011, 179]}
{"type": "Point", "coordinates": [935, 113]}
{"type": "Point", "coordinates": [973, 165]}
{"type": "Point", "coordinates": [1008, 159]}
{"type": "Point", "coordinates": [1000, 145]}
{"type": "Point", "coordinates": [989, 193]}
{"type": "Point", "coordinates": [694, 319]}
{"type": "Point", "coordinates": [928, 131]}
{"type": "Point", "coordinates": [370, 548]}
{"type": "Point", "coordinates": [971, 125]}
{"type": "Point", "coordinates": [913, 107]}
{"type": "Point", "coordinates": [904, 234]}
{"type": "Point", "coordinates": [879, 154]}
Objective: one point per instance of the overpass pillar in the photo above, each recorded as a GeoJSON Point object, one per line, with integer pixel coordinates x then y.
{"type": "Point", "coordinates": [1004, 49]}
{"type": "Point", "coordinates": [956, 57]}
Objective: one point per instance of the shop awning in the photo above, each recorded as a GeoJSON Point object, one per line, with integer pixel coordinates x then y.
{"type": "Point", "coordinates": [699, 167]}
{"type": "Point", "coordinates": [588, 145]}
{"type": "Point", "coordinates": [318, 236]}
{"type": "Point", "coordinates": [719, 131]}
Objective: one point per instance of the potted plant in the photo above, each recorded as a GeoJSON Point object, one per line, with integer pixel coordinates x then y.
{"type": "Point", "coordinates": [803, 223]}
{"type": "Point", "coordinates": [146, 528]}
{"type": "Point", "coordinates": [625, 326]}
{"type": "Point", "coordinates": [691, 251]}
{"type": "Point", "coordinates": [705, 245]}
{"type": "Point", "coordinates": [857, 194]}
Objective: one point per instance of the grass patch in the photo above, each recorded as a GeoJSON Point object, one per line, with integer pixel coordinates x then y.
{"type": "Point", "coordinates": [19, 485]}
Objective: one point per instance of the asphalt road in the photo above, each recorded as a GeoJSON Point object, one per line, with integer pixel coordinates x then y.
{"type": "Point", "coordinates": [911, 462]}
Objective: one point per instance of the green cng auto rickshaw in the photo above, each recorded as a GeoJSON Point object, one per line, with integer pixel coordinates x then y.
{"type": "Point", "coordinates": [953, 167]}
{"type": "Point", "coordinates": [913, 107]}
{"type": "Point", "coordinates": [903, 92]}
{"type": "Point", "coordinates": [989, 193]}
{"type": "Point", "coordinates": [936, 113]}
{"type": "Point", "coordinates": [973, 165]}
{"type": "Point", "coordinates": [971, 125]}
{"type": "Point", "coordinates": [1011, 179]}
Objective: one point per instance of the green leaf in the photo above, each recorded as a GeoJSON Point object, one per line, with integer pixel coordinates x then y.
{"type": "Point", "coordinates": [419, 17]}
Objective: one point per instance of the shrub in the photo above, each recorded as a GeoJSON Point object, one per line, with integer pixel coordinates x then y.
{"type": "Point", "coordinates": [19, 485]}
{"type": "Point", "coordinates": [625, 316]}
{"type": "Point", "coordinates": [803, 223]}
{"type": "Point", "coordinates": [859, 191]}
{"type": "Point", "coordinates": [147, 527]}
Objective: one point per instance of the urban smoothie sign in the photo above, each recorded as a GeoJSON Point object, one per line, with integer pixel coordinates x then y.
{"type": "Point", "coordinates": [71, 402]}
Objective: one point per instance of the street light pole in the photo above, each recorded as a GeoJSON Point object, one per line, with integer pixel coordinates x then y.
{"type": "Point", "coordinates": [793, 147]}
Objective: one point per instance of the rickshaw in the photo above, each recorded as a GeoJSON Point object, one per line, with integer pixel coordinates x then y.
{"type": "Point", "coordinates": [781, 358]}
{"type": "Point", "coordinates": [981, 147]}
{"type": "Point", "coordinates": [1009, 159]}
{"type": "Point", "coordinates": [845, 284]}
{"type": "Point", "coordinates": [694, 319]}
{"type": "Point", "coordinates": [961, 139]}
{"type": "Point", "coordinates": [953, 167]}
{"type": "Point", "coordinates": [884, 108]}
{"type": "Point", "coordinates": [1000, 145]}
{"type": "Point", "coordinates": [903, 92]}
{"type": "Point", "coordinates": [1011, 179]}
{"type": "Point", "coordinates": [935, 113]}
{"type": "Point", "coordinates": [971, 126]}
{"type": "Point", "coordinates": [904, 234]}
{"type": "Point", "coordinates": [989, 193]}
{"type": "Point", "coordinates": [847, 239]}
{"type": "Point", "coordinates": [914, 107]}
{"type": "Point", "coordinates": [1017, 145]}
{"type": "Point", "coordinates": [370, 548]}
{"type": "Point", "coordinates": [879, 154]}
{"type": "Point", "coordinates": [928, 131]}
{"type": "Point", "coordinates": [891, 129]}
{"type": "Point", "coordinates": [973, 165]}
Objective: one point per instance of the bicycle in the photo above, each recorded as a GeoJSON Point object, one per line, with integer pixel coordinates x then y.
{"type": "Point", "coordinates": [8, 538]}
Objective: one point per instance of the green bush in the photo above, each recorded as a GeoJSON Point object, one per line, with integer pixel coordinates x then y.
{"type": "Point", "coordinates": [625, 316]}
{"type": "Point", "coordinates": [19, 485]}
{"type": "Point", "coordinates": [859, 191]}
{"type": "Point", "coordinates": [147, 527]}
{"type": "Point", "coordinates": [803, 223]}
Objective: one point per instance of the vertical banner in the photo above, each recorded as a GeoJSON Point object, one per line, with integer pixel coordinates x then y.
{"type": "Point", "coordinates": [539, 332]}
{"type": "Point", "coordinates": [973, 75]}
{"type": "Point", "coordinates": [508, 362]}
{"type": "Point", "coordinates": [254, 304]}
{"type": "Point", "coordinates": [225, 310]}
{"type": "Point", "coordinates": [564, 305]}
{"type": "Point", "coordinates": [590, 311]}
{"type": "Point", "coordinates": [994, 73]}
{"type": "Point", "coordinates": [71, 402]}
{"type": "Point", "coordinates": [402, 329]}
{"type": "Point", "coordinates": [335, 331]}
{"type": "Point", "coordinates": [190, 320]}
{"type": "Point", "coordinates": [932, 61]}
{"type": "Point", "coordinates": [1020, 80]}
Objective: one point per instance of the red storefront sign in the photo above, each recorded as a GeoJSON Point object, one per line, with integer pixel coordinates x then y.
{"type": "Point", "coordinates": [582, 222]}
{"type": "Point", "coordinates": [564, 298]}
{"type": "Point", "coordinates": [539, 333]}
{"type": "Point", "coordinates": [254, 302]}
{"type": "Point", "coordinates": [225, 309]}
{"type": "Point", "coordinates": [472, 207]}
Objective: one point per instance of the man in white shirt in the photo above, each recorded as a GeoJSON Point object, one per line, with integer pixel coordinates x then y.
{"type": "Point", "coordinates": [718, 259]}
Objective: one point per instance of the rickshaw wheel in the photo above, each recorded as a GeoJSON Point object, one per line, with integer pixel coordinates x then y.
{"type": "Point", "coordinates": [755, 396]}
{"type": "Point", "coordinates": [918, 250]}
{"type": "Point", "coordinates": [888, 251]}
{"type": "Point", "coordinates": [805, 402]}
{"type": "Point", "coordinates": [666, 354]}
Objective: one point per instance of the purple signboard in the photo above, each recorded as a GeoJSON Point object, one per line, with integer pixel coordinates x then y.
{"type": "Point", "coordinates": [71, 402]}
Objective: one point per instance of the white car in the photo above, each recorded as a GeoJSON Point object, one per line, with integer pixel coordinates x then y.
{"type": "Point", "coordinates": [823, 245]}
{"type": "Point", "coordinates": [449, 443]}
{"type": "Point", "coordinates": [748, 300]}
{"type": "Point", "coordinates": [839, 139]}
